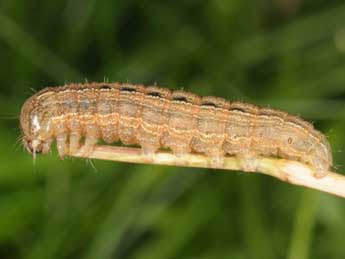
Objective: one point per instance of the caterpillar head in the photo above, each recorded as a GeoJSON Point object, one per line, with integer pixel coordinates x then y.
{"type": "Point", "coordinates": [35, 126]}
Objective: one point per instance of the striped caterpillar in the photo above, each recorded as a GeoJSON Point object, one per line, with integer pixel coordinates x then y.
{"type": "Point", "coordinates": [155, 117]}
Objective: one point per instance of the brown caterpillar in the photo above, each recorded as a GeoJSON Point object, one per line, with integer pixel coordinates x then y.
{"type": "Point", "coordinates": [155, 117]}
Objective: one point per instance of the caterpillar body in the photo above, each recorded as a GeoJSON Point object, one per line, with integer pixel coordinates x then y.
{"type": "Point", "coordinates": [155, 117]}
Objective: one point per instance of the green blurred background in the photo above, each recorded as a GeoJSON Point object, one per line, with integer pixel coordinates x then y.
{"type": "Point", "coordinates": [288, 54]}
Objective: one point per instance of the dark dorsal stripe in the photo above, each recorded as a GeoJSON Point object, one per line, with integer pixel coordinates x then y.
{"type": "Point", "coordinates": [211, 104]}
{"type": "Point", "coordinates": [106, 87]}
{"type": "Point", "coordinates": [180, 99]}
{"type": "Point", "coordinates": [155, 94]}
{"type": "Point", "coordinates": [237, 109]}
{"type": "Point", "coordinates": [128, 89]}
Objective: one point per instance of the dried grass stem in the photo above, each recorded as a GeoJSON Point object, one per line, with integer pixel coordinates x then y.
{"type": "Point", "coordinates": [292, 172]}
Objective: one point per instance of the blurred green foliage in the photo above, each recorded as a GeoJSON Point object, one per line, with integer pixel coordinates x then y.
{"type": "Point", "coordinates": [289, 54]}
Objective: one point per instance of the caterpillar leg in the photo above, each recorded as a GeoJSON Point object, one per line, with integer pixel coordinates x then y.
{"type": "Point", "coordinates": [61, 144]}
{"type": "Point", "coordinates": [217, 159]}
{"type": "Point", "coordinates": [148, 152]}
{"type": "Point", "coordinates": [87, 148]}
{"type": "Point", "coordinates": [320, 164]}
{"type": "Point", "coordinates": [108, 135]}
{"type": "Point", "coordinates": [180, 150]}
{"type": "Point", "coordinates": [149, 143]}
{"type": "Point", "coordinates": [320, 174]}
{"type": "Point", "coordinates": [46, 145]}
{"type": "Point", "coordinates": [74, 142]}
{"type": "Point", "coordinates": [321, 168]}
{"type": "Point", "coordinates": [212, 148]}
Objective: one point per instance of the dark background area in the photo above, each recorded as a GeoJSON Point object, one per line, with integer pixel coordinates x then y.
{"type": "Point", "coordinates": [287, 54]}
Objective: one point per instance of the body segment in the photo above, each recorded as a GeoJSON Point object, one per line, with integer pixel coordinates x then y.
{"type": "Point", "coordinates": [182, 121]}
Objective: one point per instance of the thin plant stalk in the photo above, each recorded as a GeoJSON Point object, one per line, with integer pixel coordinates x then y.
{"type": "Point", "coordinates": [292, 172]}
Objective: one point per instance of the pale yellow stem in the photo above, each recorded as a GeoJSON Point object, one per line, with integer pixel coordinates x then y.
{"type": "Point", "coordinates": [288, 171]}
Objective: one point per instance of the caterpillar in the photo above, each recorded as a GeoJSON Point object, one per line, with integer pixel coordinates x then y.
{"type": "Point", "coordinates": [155, 118]}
